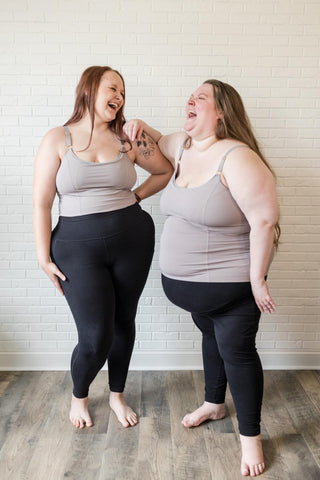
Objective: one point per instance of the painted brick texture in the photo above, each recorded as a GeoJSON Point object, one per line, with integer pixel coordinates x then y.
{"type": "Point", "coordinates": [267, 49]}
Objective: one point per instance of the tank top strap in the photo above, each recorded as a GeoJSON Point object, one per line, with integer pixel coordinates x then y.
{"type": "Point", "coordinates": [68, 136]}
{"type": "Point", "coordinates": [227, 153]}
{"type": "Point", "coordinates": [183, 146]}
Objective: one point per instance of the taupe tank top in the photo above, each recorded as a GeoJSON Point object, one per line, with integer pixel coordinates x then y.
{"type": "Point", "coordinates": [85, 187]}
{"type": "Point", "coordinates": [206, 235]}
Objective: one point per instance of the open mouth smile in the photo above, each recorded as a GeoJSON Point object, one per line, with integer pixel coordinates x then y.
{"type": "Point", "coordinates": [114, 106]}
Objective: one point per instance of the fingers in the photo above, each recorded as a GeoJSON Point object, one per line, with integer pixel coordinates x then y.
{"type": "Point", "coordinates": [56, 283]}
{"type": "Point", "coordinates": [55, 274]}
{"type": "Point", "coordinates": [58, 273]}
{"type": "Point", "coordinates": [133, 129]}
{"type": "Point", "coordinates": [266, 305]}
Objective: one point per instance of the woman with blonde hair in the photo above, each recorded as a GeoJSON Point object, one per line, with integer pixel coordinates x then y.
{"type": "Point", "coordinates": [99, 253]}
{"type": "Point", "coordinates": [216, 248]}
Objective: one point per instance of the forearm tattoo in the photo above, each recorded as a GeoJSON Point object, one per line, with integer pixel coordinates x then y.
{"type": "Point", "coordinates": [146, 145]}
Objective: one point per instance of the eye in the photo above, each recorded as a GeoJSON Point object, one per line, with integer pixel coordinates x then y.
{"type": "Point", "coordinates": [201, 97]}
{"type": "Point", "coordinates": [113, 89]}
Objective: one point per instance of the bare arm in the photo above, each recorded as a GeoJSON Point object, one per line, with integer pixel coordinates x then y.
{"type": "Point", "coordinates": [47, 163]}
{"type": "Point", "coordinates": [168, 144]}
{"type": "Point", "coordinates": [149, 157]}
{"type": "Point", "coordinates": [253, 187]}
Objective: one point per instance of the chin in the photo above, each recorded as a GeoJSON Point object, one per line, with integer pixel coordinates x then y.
{"type": "Point", "coordinates": [187, 127]}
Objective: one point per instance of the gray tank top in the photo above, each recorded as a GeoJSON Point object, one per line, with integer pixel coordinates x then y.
{"type": "Point", "coordinates": [85, 187]}
{"type": "Point", "coordinates": [206, 236]}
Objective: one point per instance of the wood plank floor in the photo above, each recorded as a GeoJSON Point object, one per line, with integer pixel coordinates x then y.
{"type": "Point", "coordinates": [37, 441]}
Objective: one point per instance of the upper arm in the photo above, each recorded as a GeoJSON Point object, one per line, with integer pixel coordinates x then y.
{"type": "Point", "coordinates": [149, 157]}
{"type": "Point", "coordinates": [170, 145]}
{"type": "Point", "coordinates": [253, 186]}
{"type": "Point", "coordinates": [47, 163]}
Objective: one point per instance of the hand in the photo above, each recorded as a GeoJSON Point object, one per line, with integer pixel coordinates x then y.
{"type": "Point", "coordinates": [262, 297]}
{"type": "Point", "coordinates": [133, 128]}
{"type": "Point", "coordinates": [54, 273]}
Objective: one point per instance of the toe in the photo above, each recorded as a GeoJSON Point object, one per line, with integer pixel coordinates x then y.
{"type": "Point", "coordinates": [252, 471]}
{"type": "Point", "coordinates": [186, 421]}
{"type": "Point", "coordinates": [244, 470]}
{"type": "Point", "coordinates": [133, 419]}
{"type": "Point", "coordinates": [124, 422]}
{"type": "Point", "coordinates": [88, 422]}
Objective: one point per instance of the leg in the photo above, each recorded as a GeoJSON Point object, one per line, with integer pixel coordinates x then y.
{"type": "Point", "coordinates": [90, 295]}
{"type": "Point", "coordinates": [195, 297]}
{"type": "Point", "coordinates": [235, 332]}
{"type": "Point", "coordinates": [215, 379]}
{"type": "Point", "coordinates": [215, 376]}
{"type": "Point", "coordinates": [132, 254]}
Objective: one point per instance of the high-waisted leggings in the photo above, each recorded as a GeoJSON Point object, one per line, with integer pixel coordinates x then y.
{"type": "Point", "coordinates": [228, 317]}
{"type": "Point", "coordinates": [106, 259]}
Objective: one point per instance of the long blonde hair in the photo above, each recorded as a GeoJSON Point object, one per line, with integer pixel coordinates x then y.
{"type": "Point", "coordinates": [235, 123]}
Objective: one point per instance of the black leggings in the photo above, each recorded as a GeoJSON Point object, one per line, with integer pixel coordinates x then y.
{"type": "Point", "coordinates": [106, 258]}
{"type": "Point", "coordinates": [228, 317]}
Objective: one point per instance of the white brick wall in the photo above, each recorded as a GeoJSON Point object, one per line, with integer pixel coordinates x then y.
{"type": "Point", "coordinates": [267, 49]}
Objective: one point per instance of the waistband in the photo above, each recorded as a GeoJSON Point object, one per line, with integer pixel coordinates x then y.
{"type": "Point", "coordinates": [135, 208]}
{"type": "Point", "coordinates": [101, 225]}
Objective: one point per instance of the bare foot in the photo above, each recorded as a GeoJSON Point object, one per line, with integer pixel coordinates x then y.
{"type": "Point", "coordinates": [79, 413]}
{"type": "Point", "coordinates": [207, 411]}
{"type": "Point", "coordinates": [124, 413]}
{"type": "Point", "coordinates": [252, 456]}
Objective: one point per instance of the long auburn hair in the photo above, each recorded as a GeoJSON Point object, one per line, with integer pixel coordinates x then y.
{"type": "Point", "coordinates": [235, 123]}
{"type": "Point", "coordinates": [86, 93]}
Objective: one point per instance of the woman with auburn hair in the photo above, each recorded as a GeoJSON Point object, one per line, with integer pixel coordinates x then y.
{"type": "Point", "coordinates": [216, 248]}
{"type": "Point", "coordinates": [99, 254]}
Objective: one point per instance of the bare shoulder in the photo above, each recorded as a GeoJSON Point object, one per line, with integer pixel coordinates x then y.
{"type": "Point", "coordinates": [240, 156]}
{"type": "Point", "coordinates": [55, 134]}
{"type": "Point", "coordinates": [55, 140]}
{"type": "Point", "coordinates": [170, 145]}
{"type": "Point", "coordinates": [245, 171]}
{"type": "Point", "coordinates": [53, 145]}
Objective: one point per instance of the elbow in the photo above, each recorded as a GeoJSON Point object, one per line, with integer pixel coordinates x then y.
{"type": "Point", "coordinates": [265, 226]}
{"type": "Point", "coordinates": [41, 206]}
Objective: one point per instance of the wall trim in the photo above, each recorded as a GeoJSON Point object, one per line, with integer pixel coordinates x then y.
{"type": "Point", "coordinates": [156, 361]}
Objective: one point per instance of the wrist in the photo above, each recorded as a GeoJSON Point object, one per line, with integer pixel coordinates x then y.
{"type": "Point", "coordinates": [44, 262]}
{"type": "Point", "coordinates": [257, 280]}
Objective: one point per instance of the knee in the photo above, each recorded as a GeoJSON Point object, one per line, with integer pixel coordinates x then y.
{"type": "Point", "coordinates": [238, 351]}
{"type": "Point", "coordinates": [96, 352]}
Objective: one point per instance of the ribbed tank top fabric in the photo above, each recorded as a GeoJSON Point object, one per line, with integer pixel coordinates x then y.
{"type": "Point", "coordinates": [85, 187]}
{"type": "Point", "coordinates": [206, 236]}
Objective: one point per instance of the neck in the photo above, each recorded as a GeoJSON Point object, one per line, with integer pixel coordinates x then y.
{"type": "Point", "coordinates": [203, 144]}
{"type": "Point", "coordinates": [99, 125]}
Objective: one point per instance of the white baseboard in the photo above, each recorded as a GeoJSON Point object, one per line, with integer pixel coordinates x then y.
{"type": "Point", "coordinates": [157, 361]}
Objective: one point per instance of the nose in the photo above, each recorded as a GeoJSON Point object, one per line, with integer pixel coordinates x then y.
{"type": "Point", "coordinates": [191, 101]}
{"type": "Point", "coordinates": [118, 96]}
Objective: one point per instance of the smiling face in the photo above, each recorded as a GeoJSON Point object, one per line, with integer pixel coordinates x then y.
{"type": "Point", "coordinates": [201, 113]}
{"type": "Point", "coordinates": [110, 97]}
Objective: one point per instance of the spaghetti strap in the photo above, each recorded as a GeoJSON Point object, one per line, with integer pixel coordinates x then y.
{"type": "Point", "coordinates": [68, 136]}
{"type": "Point", "coordinates": [227, 153]}
{"type": "Point", "coordinates": [181, 149]}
